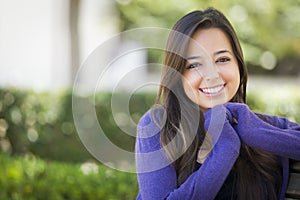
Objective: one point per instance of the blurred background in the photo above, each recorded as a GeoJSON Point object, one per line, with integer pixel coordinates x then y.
{"type": "Point", "coordinates": [44, 43]}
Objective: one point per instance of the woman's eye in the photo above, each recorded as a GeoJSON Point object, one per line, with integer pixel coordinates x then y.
{"type": "Point", "coordinates": [223, 60]}
{"type": "Point", "coordinates": [194, 65]}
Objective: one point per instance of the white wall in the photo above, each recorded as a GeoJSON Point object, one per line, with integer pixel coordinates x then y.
{"type": "Point", "coordinates": [34, 44]}
{"type": "Point", "coordinates": [35, 40]}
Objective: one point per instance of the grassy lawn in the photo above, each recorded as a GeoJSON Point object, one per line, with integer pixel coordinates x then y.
{"type": "Point", "coordinates": [31, 178]}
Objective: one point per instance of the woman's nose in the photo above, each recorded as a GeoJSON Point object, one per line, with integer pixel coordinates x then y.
{"type": "Point", "coordinates": [211, 71]}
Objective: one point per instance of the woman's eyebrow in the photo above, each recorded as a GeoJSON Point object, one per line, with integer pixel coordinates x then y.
{"type": "Point", "coordinates": [193, 57]}
{"type": "Point", "coordinates": [222, 51]}
{"type": "Point", "coordinates": [216, 53]}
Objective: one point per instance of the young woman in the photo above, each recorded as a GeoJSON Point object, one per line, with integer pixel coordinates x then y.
{"type": "Point", "coordinates": [204, 142]}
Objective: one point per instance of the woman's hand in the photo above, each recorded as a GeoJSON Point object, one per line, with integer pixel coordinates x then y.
{"type": "Point", "coordinates": [244, 120]}
{"type": "Point", "coordinates": [218, 125]}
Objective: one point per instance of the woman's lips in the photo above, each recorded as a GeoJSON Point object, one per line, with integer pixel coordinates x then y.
{"type": "Point", "coordinates": [213, 91]}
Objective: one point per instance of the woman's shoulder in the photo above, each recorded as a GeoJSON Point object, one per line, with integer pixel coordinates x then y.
{"type": "Point", "coordinates": [155, 116]}
{"type": "Point", "coordinates": [149, 127]}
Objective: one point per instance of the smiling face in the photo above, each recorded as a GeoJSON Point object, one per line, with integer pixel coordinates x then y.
{"type": "Point", "coordinates": [211, 76]}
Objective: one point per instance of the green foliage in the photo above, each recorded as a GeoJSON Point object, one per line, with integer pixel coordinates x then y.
{"type": "Point", "coordinates": [262, 26]}
{"type": "Point", "coordinates": [33, 179]}
{"type": "Point", "coordinates": [284, 103]}
{"type": "Point", "coordinates": [42, 123]}
{"type": "Point", "coordinates": [31, 121]}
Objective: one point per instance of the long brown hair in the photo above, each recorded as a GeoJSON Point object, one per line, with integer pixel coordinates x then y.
{"type": "Point", "coordinates": [257, 173]}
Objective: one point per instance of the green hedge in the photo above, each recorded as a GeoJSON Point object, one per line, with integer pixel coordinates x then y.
{"type": "Point", "coordinates": [28, 178]}
{"type": "Point", "coordinates": [42, 123]}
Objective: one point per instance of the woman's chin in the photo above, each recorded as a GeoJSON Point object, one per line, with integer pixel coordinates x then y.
{"type": "Point", "coordinates": [212, 104]}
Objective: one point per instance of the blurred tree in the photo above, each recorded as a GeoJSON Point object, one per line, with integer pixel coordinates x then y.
{"type": "Point", "coordinates": [73, 20]}
{"type": "Point", "coordinates": [269, 30]}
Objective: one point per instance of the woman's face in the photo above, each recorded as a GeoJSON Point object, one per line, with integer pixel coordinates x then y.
{"type": "Point", "coordinates": [211, 76]}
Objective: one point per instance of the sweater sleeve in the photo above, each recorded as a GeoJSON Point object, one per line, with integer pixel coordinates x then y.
{"type": "Point", "coordinates": [157, 177]}
{"type": "Point", "coordinates": [276, 135]}
{"type": "Point", "coordinates": [282, 123]}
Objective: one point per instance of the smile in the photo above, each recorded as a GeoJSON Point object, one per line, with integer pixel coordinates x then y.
{"type": "Point", "coordinates": [211, 91]}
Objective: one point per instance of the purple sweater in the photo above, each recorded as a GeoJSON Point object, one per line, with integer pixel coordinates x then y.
{"type": "Point", "coordinates": [157, 176]}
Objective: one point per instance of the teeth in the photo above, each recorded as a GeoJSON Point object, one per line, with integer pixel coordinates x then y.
{"type": "Point", "coordinates": [213, 90]}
